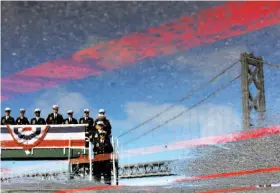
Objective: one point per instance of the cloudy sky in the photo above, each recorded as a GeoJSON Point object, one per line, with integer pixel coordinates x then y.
{"type": "Point", "coordinates": [133, 90]}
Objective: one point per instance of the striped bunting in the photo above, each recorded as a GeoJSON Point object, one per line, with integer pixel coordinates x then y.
{"type": "Point", "coordinates": [42, 136]}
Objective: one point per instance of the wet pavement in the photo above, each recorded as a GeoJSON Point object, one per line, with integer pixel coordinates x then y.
{"type": "Point", "coordinates": [225, 167]}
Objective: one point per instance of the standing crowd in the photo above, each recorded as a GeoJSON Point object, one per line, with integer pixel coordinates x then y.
{"type": "Point", "coordinates": [97, 132]}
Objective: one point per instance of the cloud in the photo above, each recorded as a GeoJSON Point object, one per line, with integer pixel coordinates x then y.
{"type": "Point", "coordinates": [204, 121]}
{"type": "Point", "coordinates": [62, 97]}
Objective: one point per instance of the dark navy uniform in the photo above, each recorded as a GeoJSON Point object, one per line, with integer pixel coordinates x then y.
{"type": "Point", "coordinates": [102, 147]}
{"type": "Point", "coordinates": [51, 120]}
{"type": "Point", "coordinates": [102, 167]}
{"type": "Point", "coordinates": [107, 125]}
{"type": "Point", "coordinates": [22, 121]}
{"type": "Point", "coordinates": [90, 121]}
{"type": "Point", "coordinates": [7, 120]}
{"type": "Point", "coordinates": [87, 120]}
{"type": "Point", "coordinates": [37, 121]}
{"type": "Point", "coordinates": [95, 136]}
{"type": "Point", "coordinates": [70, 121]}
{"type": "Point", "coordinates": [89, 128]}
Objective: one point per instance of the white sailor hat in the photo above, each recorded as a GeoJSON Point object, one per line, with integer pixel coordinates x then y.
{"type": "Point", "coordinates": [103, 132]}
{"type": "Point", "coordinates": [55, 107]}
{"type": "Point", "coordinates": [101, 115]}
{"type": "Point", "coordinates": [37, 110]}
{"type": "Point", "coordinates": [70, 112]}
{"type": "Point", "coordinates": [101, 111]}
{"type": "Point", "coordinates": [100, 123]}
{"type": "Point", "coordinates": [86, 110]}
{"type": "Point", "coordinates": [7, 109]}
{"type": "Point", "coordinates": [21, 110]}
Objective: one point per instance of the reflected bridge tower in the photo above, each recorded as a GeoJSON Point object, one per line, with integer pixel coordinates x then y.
{"type": "Point", "coordinates": [253, 94]}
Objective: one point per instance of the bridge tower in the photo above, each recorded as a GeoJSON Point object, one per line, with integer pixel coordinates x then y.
{"type": "Point", "coordinates": [253, 94]}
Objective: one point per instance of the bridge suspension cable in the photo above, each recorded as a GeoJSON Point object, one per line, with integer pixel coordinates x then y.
{"type": "Point", "coordinates": [274, 65]}
{"type": "Point", "coordinates": [266, 63]}
{"type": "Point", "coordinates": [184, 111]}
{"type": "Point", "coordinates": [180, 101]}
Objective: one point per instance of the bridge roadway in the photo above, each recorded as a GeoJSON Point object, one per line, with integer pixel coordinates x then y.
{"type": "Point", "coordinates": [149, 169]}
{"type": "Point", "coordinates": [226, 166]}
